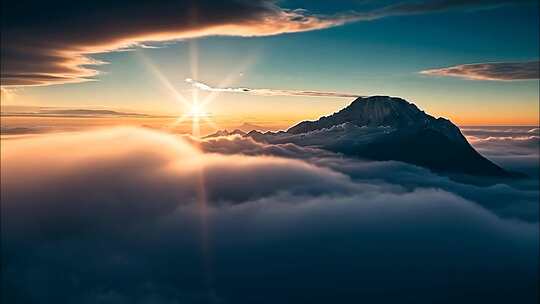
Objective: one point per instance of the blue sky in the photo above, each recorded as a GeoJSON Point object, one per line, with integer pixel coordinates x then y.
{"type": "Point", "coordinates": [382, 56]}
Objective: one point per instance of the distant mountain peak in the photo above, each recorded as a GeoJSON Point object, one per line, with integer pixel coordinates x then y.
{"type": "Point", "coordinates": [220, 133]}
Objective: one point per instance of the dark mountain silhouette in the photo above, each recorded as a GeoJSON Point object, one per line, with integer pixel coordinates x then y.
{"type": "Point", "coordinates": [372, 112]}
{"type": "Point", "coordinates": [389, 128]}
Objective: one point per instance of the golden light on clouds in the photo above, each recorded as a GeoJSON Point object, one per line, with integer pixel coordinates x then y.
{"type": "Point", "coordinates": [66, 60]}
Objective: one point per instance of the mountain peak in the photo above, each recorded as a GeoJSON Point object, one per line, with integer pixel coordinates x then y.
{"type": "Point", "coordinates": [370, 111]}
{"type": "Point", "coordinates": [391, 128]}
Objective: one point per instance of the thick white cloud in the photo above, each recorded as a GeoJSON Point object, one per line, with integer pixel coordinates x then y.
{"type": "Point", "coordinates": [519, 199]}
{"type": "Point", "coordinates": [115, 216]}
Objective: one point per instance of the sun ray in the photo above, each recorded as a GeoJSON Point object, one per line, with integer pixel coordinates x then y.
{"type": "Point", "coordinates": [197, 113]}
{"type": "Point", "coordinates": [164, 81]}
{"type": "Point", "coordinates": [194, 66]}
{"type": "Point", "coordinates": [178, 121]}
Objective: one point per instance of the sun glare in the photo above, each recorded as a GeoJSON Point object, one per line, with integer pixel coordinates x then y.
{"type": "Point", "coordinates": [197, 111]}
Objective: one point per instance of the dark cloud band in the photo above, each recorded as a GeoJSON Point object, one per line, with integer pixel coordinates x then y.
{"type": "Point", "coordinates": [490, 71]}
{"type": "Point", "coordinates": [48, 43]}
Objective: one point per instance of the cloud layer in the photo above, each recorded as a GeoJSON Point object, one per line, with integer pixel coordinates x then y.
{"type": "Point", "coordinates": [268, 92]}
{"type": "Point", "coordinates": [515, 148]}
{"type": "Point", "coordinates": [516, 201]}
{"type": "Point", "coordinates": [490, 71]}
{"type": "Point", "coordinates": [118, 216]}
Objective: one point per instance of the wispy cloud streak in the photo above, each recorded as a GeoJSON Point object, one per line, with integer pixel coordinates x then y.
{"type": "Point", "coordinates": [269, 92]}
{"type": "Point", "coordinates": [490, 71]}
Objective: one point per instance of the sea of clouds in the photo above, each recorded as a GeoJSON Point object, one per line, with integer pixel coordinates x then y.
{"type": "Point", "coordinates": [515, 148]}
{"type": "Point", "coordinates": [130, 215]}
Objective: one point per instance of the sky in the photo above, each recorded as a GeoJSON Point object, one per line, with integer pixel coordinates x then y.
{"type": "Point", "coordinates": [396, 48]}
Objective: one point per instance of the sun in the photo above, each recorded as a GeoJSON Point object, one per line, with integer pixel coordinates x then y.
{"type": "Point", "coordinates": [197, 111]}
